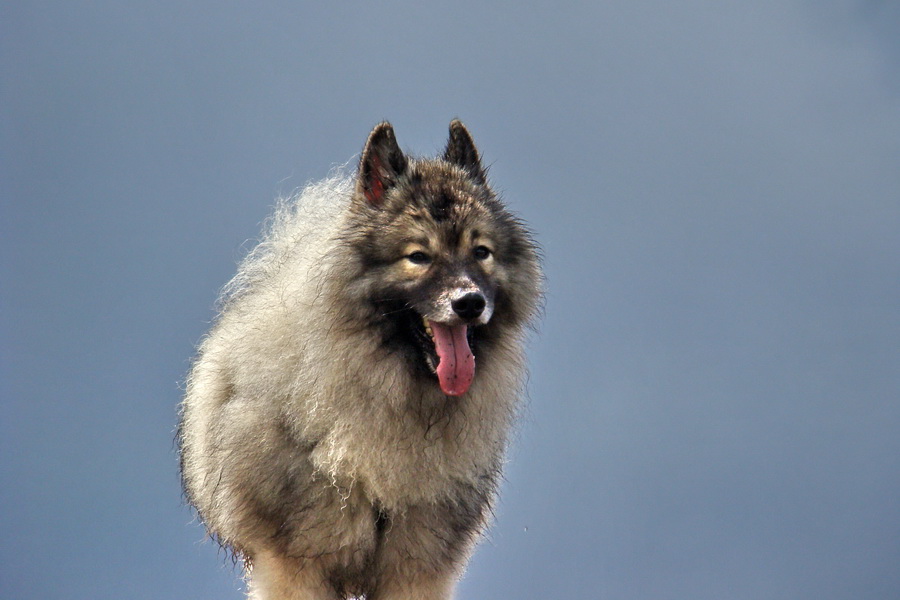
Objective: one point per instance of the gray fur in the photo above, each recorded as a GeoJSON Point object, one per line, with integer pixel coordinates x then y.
{"type": "Point", "coordinates": [315, 441]}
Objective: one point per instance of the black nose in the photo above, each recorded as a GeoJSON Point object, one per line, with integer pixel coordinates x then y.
{"type": "Point", "coordinates": [469, 306]}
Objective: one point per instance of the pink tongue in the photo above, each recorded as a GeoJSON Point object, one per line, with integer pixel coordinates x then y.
{"type": "Point", "coordinates": [456, 366]}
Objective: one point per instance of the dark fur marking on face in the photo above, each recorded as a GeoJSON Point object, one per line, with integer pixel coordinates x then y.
{"type": "Point", "coordinates": [409, 338]}
{"type": "Point", "coordinates": [441, 205]}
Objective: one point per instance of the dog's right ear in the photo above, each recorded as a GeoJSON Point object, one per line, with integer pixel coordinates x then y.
{"type": "Point", "coordinates": [381, 165]}
{"type": "Point", "coordinates": [461, 151]}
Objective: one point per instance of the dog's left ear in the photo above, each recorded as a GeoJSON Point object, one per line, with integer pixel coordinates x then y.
{"type": "Point", "coordinates": [381, 165]}
{"type": "Point", "coordinates": [461, 151]}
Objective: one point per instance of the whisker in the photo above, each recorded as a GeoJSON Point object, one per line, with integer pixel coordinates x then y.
{"type": "Point", "coordinates": [399, 310]}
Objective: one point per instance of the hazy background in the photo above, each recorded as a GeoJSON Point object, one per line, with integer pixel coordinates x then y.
{"type": "Point", "coordinates": [715, 391]}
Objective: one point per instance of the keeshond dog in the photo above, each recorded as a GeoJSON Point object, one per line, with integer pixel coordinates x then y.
{"type": "Point", "coordinates": [346, 417]}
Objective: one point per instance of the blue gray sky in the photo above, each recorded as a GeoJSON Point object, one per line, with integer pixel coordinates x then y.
{"type": "Point", "coordinates": [715, 389]}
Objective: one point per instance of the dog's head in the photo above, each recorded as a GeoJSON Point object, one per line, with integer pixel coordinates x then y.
{"type": "Point", "coordinates": [447, 269]}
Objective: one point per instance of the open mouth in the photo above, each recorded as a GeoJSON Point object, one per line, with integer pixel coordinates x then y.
{"type": "Point", "coordinates": [449, 354]}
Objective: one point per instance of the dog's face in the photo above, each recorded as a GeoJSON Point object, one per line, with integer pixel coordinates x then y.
{"type": "Point", "coordinates": [439, 254]}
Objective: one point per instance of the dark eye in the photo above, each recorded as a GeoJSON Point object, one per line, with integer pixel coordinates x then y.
{"type": "Point", "coordinates": [419, 258]}
{"type": "Point", "coordinates": [482, 252]}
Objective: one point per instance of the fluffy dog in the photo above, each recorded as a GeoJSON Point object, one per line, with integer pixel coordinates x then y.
{"type": "Point", "coordinates": [346, 417]}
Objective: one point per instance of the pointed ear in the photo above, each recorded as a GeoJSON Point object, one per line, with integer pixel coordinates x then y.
{"type": "Point", "coordinates": [461, 151]}
{"type": "Point", "coordinates": [381, 165]}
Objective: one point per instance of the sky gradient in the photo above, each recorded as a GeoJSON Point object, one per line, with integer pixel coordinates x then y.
{"type": "Point", "coordinates": [714, 402]}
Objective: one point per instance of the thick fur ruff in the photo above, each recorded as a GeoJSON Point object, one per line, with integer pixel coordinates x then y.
{"type": "Point", "coordinates": [317, 441]}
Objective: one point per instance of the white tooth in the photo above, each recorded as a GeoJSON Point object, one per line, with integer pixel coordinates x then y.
{"type": "Point", "coordinates": [427, 327]}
